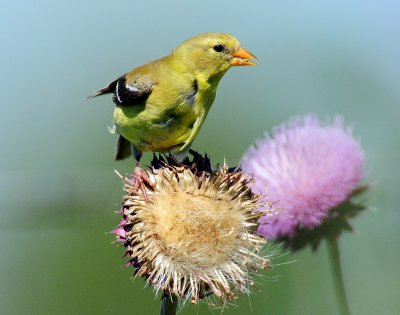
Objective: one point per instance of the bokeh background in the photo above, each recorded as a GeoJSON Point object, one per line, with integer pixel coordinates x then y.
{"type": "Point", "coordinates": [58, 190]}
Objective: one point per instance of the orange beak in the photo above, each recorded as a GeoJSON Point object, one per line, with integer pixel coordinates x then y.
{"type": "Point", "coordinates": [241, 58]}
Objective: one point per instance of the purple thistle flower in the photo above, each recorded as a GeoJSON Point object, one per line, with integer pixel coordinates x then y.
{"type": "Point", "coordinates": [306, 169]}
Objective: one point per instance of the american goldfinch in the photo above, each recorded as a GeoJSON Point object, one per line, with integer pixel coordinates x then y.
{"type": "Point", "coordinates": [161, 105]}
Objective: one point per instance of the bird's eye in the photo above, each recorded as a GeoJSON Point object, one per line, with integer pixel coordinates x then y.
{"type": "Point", "coordinates": [218, 48]}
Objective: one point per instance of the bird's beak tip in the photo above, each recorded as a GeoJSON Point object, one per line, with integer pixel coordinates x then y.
{"type": "Point", "coordinates": [241, 58]}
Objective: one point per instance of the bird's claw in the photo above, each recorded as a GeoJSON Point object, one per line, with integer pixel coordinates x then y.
{"type": "Point", "coordinates": [140, 178]}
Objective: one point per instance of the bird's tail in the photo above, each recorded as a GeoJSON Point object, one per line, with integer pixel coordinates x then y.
{"type": "Point", "coordinates": [122, 148]}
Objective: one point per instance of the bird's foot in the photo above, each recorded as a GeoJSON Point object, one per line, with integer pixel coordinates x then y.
{"type": "Point", "coordinates": [140, 179]}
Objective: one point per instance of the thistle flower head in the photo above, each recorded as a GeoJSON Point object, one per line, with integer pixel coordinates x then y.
{"type": "Point", "coordinates": [194, 234]}
{"type": "Point", "coordinates": [307, 169]}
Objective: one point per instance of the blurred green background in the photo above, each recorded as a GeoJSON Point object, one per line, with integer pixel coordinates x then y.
{"type": "Point", "coordinates": [58, 189]}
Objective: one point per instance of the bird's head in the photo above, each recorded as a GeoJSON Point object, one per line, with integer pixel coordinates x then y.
{"type": "Point", "coordinates": [212, 54]}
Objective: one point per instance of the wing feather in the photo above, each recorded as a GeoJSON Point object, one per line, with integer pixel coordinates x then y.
{"type": "Point", "coordinates": [126, 93]}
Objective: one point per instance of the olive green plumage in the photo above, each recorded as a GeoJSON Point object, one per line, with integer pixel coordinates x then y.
{"type": "Point", "coordinates": [161, 105]}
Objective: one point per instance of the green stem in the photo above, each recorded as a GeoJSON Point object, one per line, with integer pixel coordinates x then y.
{"type": "Point", "coordinates": [169, 304]}
{"type": "Point", "coordinates": [337, 275]}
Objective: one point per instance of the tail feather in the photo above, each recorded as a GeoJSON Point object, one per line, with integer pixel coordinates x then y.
{"type": "Point", "coordinates": [122, 148]}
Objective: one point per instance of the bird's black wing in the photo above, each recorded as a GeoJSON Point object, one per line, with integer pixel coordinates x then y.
{"type": "Point", "coordinates": [127, 93]}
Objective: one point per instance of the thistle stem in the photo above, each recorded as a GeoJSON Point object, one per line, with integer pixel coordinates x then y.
{"type": "Point", "coordinates": [169, 304]}
{"type": "Point", "coordinates": [337, 275]}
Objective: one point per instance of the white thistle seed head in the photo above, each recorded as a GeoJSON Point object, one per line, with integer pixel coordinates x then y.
{"type": "Point", "coordinates": [195, 234]}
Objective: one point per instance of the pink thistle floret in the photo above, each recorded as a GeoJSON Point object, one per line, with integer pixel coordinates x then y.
{"type": "Point", "coordinates": [305, 169]}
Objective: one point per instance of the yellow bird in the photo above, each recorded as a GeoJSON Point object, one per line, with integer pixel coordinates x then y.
{"type": "Point", "coordinates": [161, 105]}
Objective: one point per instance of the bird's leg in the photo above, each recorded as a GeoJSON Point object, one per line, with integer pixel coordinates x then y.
{"type": "Point", "coordinates": [140, 177]}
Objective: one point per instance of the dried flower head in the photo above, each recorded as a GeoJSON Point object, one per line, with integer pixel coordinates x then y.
{"type": "Point", "coordinates": [308, 170]}
{"type": "Point", "coordinates": [195, 233]}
